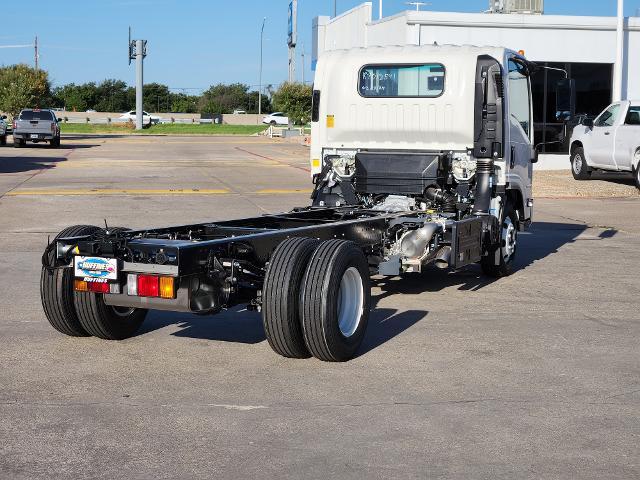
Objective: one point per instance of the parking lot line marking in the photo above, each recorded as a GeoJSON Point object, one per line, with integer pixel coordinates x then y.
{"type": "Point", "coordinates": [151, 191]}
{"type": "Point", "coordinates": [118, 191]}
{"type": "Point", "coordinates": [281, 190]}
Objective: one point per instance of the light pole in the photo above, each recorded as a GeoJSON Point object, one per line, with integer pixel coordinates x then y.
{"type": "Point", "coordinates": [618, 68]}
{"type": "Point", "coordinates": [380, 11]}
{"type": "Point", "coordinates": [260, 76]}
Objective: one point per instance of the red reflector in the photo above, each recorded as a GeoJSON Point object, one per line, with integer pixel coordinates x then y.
{"type": "Point", "coordinates": [98, 287]}
{"type": "Point", "coordinates": [148, 286]}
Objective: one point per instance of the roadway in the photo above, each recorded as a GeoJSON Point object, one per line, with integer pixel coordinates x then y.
{"type": "Point", "coordinates": [532, 376]}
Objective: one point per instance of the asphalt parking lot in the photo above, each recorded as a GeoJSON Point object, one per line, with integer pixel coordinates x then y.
{"type": "Point", "coordinates": [532, 376]}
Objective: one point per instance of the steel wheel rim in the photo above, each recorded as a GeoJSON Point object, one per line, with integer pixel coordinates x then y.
{"type": "Point", "coordinates": [350, 301]}
{"type": "Point", "coordinates": [510, 238]}
{"type": "Point", "coordinates": [577, 163]}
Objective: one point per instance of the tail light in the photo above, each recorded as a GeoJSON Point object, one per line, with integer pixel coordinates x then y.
{"type": "Point", "coordinates": [15, 124]}
{"type": "Point", "coordinates": [95, 287]}
{"type": "Point", "coordinates": [53, 127]}
{"type": "Point", "coordinates": [150, 286]}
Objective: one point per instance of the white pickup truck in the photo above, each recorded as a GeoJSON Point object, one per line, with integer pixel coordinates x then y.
{"type": "Point", "coordinates": [611, 142]}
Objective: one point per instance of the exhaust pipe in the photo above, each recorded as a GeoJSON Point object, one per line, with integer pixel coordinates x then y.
{"type": "Point", "coordinates": [443, 257]}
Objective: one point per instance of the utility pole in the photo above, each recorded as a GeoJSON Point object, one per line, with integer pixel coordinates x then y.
{"type": "Point", "coordinates": [380, 10]}
{"type": "Point", "coordinates": [35, 47]}
{"type": "Point", "coordinates": [260, 75]}
{"type": "Point", "coordinates": [335, 8]}
{"type": "Point", "coordinates": [303, 65]}
{"type": "Point", "coordinates": [618, 68]}
{"type": "Point", "coordinates": [137, 52]}
{"type": "Point", "coordinates": [292, 38]}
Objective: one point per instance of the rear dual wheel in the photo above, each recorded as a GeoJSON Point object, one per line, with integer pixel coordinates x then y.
{"type": "Point", "coordinates": [316, 299]}
{"type": "Point", "coordinates": [81, 314]}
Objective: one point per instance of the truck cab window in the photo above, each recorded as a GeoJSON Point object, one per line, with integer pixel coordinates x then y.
{"type": "Point", "coordinates": [519, 106]}
{"type": "Point", "coordinates": [608, 117]}
{"type": "Point", "coordinates": [401, 80]}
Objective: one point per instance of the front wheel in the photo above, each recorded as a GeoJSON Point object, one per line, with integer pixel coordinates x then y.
{"type": "Point", "coordinates": [579, 167]}
{"type": "Point", "coordinates": [499, 262]}
{"type": "Point", "coordinates": [3, 140]}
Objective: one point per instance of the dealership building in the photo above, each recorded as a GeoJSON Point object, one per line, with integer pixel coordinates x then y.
{"type": "Point", "coordinates": [583, 46]}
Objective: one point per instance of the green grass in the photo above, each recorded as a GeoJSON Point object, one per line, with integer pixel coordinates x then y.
{"type": "Point", "coordinates": [166, 129]}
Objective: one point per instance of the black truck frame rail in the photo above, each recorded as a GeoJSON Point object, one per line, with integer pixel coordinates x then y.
{"type": "Point", "coordinates": [222, 264]}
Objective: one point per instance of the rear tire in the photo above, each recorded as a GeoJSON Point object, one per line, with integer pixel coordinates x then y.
{"type": "Point", "coordinates": [3, 140]}
{"type": "Point", "coordinates": [18, 143]}
{"type": "Point", "coordinates": [56, 290]}
{"type": "Point", "coordinates": [55, 143]}
{"type": "Point", "coordinates": [105, 321]}
{"type": "Point", "coordinates": [506, 251]}
{"type": "Point", "coordinates": [335, 300]}
{"type": "Point", "coordinates": [579, 168]}
{"type": "Point", "coordinates": [281, 297]}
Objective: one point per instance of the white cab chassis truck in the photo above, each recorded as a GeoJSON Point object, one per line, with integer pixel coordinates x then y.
{"type": "Point", "coordinates": [421, 155]}
{"type": "Point", "coordinates": [609, 143]}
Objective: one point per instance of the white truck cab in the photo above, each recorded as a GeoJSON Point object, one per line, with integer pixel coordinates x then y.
{"type": "Point", "coordinates": [611, 142]}
{"type": "Point", "coordinates": [446, 127]}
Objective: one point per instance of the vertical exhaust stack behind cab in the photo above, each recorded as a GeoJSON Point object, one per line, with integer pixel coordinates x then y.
{"type": "Point", "coordinates": [469, 107]}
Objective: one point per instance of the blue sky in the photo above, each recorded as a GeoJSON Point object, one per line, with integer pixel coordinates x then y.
{"type": "Point", "coordinates": [192, 43]}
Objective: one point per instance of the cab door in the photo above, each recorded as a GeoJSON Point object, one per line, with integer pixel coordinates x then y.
{"type": "Point", "coordinates": [627, 137]}
{"type": "Point", "coordinates": [600, 150]}
{"type": "Point", "coordinates": [519, 126]}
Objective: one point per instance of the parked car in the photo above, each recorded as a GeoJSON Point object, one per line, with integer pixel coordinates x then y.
{"type": "Point", "coordinates": [147, 118]}
{"type": "Point", "coordinates": [3, 130]}
{"type": "Point", "coordinates": [35, 125]}
{"type": "Point", "coordinates": [610, 143]}
{"type": "Point", "coordinates": [239, 112]}
{"type": "Point", "coordinates": [276, 118]}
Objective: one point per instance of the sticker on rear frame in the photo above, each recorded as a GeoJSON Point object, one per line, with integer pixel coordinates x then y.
{"type": "Point", "coordinates": [96, 267]}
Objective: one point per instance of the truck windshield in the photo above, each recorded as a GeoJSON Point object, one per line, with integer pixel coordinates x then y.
{"type": "Point", "coordinates": [402, 80]}
{"type": "Point", "coordinates": [36, 115]}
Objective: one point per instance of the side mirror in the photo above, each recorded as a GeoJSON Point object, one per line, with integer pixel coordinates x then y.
{"type": "Point", "coordinates": [58, 120]}
{"type": "Point", "coordinates": [535, 152]}
{"type": "Point", "coordinates": [565, 100]}
{"type": "Point", "coordinates": [588, 122]}
{"type": "Point", "coordinates": [4, 117]}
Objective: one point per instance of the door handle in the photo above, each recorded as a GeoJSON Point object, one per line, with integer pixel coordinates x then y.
{"type": "Point", "coordinates": [607, 133]}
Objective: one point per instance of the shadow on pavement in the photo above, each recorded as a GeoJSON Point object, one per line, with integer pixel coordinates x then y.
{"type": "Point", "coordinates": [241, 326]}
{"type": "Point", "coordinates": [25, 164]}
{"type": "Point", "coordinates": [387, 323]}
{"type": "Point", "coordinates": [229, 326]}
{"type": "Point", "coordinates": [614, 177]}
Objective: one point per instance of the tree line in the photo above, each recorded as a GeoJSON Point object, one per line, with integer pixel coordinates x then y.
{"type": "Point", "coordinates": [24, 87]}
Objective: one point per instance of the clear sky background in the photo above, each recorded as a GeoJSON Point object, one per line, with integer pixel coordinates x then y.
{"type": "Point", "coordinates": [192, 43]}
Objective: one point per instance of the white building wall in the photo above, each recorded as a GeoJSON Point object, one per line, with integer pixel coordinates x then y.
{"type": "Point", "coordinates": [551, 38]}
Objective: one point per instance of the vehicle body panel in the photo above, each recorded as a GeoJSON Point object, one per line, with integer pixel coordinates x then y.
{"type": "Point", "coordinates": [36, 125]}
{"type": "Point", "coordinates": [613, 144]}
